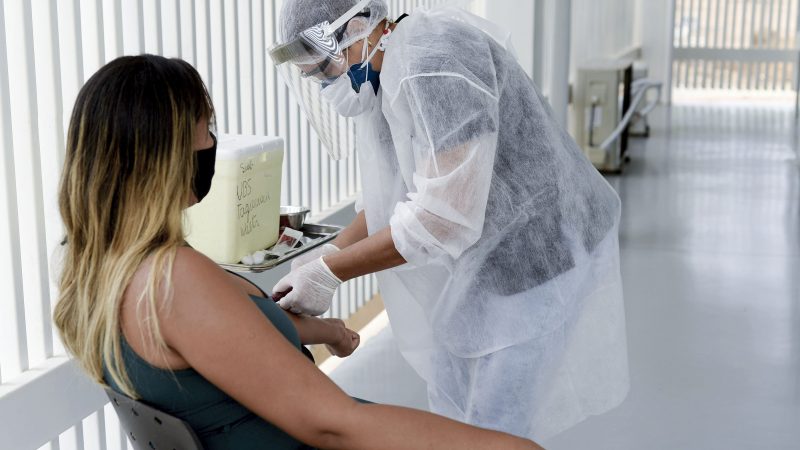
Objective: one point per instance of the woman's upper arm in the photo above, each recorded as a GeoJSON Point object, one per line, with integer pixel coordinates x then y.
{"type": "Point", "coordinates": [222, 334]}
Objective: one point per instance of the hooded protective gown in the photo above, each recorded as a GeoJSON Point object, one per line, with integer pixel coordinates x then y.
{"type": "Point", "coordinates": [511, 305]}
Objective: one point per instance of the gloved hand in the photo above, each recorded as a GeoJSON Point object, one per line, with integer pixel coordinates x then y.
{"type": "Point", "coordinates": [312, 286]}
{"type": "Point", "coordinates": [305, 258]}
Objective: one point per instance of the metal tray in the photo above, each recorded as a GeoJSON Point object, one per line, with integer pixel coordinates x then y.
{"type": "Point", "coordinates": [314, 234]}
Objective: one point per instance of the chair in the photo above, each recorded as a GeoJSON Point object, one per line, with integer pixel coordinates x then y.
{"type": "Point", "coordinates": [150, 429]}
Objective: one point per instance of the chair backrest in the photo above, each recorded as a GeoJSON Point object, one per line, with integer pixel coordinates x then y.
{"type": "Point", "coordinates": [150, 429]}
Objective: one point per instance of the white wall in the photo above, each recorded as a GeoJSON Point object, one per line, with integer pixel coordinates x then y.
{"type": "Point", "coordinates": [656, 19]}
{"type": "Point", "coordinates": [604, 28]}
{"type": "Point", "coordinates": [540, 35]}
{"type": "Point", "coordinates": [518, 17]}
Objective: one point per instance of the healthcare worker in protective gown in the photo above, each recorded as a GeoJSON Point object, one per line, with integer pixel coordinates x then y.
{"type": "Point", "coordinates": [493, 238]}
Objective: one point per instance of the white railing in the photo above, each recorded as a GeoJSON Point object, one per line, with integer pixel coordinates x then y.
{"type": "Point", "coordinates": [736, 45]}
{"type": "Point", "coordinates": [47, 50]}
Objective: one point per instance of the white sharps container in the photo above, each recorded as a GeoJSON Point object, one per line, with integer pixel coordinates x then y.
{"type": "Point", "coordinates": [240, 214]}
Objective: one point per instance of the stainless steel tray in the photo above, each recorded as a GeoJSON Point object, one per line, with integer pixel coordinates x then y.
{"type": "Point", "coordinates": [314, 236]}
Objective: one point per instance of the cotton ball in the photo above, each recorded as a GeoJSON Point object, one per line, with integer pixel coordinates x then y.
{"type": "Point", "coordinates": [248, 260]}
{"type": "Point", "coordinates": [259, 256]}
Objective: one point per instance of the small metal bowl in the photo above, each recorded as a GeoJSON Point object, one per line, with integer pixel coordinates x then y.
{"type": "Point", "coordinates": [293, 216]}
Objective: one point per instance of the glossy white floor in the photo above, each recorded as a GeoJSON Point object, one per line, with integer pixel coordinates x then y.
{"type": "Point", "coordinates": [711, 265]}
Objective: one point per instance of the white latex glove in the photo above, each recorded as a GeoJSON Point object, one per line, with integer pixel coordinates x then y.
{"type": "Point", "coordinates": [305, 258]}
{"type": "Point", "coordinates": [308, 289]}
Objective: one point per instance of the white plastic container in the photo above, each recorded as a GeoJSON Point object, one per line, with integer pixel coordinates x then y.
{"type": "Point", "coordinates": [240, 214]}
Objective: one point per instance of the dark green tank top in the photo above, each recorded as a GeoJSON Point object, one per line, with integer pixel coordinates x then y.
{"type": "Point", "coordinates": [220, 422]}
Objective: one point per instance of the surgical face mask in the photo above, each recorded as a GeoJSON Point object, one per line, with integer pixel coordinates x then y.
{"type": "Point", "coordinates": [346, 101]}
{"type": "Point", "coordinates": [204, 161]}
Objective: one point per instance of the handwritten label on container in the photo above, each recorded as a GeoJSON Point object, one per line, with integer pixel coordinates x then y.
{"type": "Point", "coordinates": [248, 200]}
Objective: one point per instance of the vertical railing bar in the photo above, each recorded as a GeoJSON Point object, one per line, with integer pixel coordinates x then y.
{"type": "Point", "coordinates": [79, 435]}
{"type": "Point", "coordinates": [680, 15]}
{"type": "Point", "coordinates": [209, 52]}
{"type": "Point", "coordinates": [259, 55]}
{"type": "Point", "coordinates": [320, 182]}
{"type": "Point", "coordinates": [538, 44]}
{"type": "Point", "coordinates": [325, 183]}
{"type": "Point", "coordinates": [742, 42]}
{"type": "Point", "coordinates": [309, 155]}
{"type": "Point", "coordinates": [100, 24]}
{"type": "Point", "coordinates": [252, 96]}
{"type": "Point", "coordinates": [334, 177]}
{"type": "Point", "coordinates": [766, 28]}
{"type": "Point", "coordinates": [224, 62]}
{"type": "Point", "coordinates": [708, 79]}
{"type": "Point", "coordinates": [36, 175]}
{"type": "Point", "coordinates": [275, 82]}
{"type": "Point", "coordinates": [779, 31]}
{"type": "Point", "coordinates": [744, 22]}
{"type": "Point", "coordinates": [358, 174]}
{"type": "Point", "coordinates": [159, 28]}
{"type": "Point", "coordinates": [733, 43]}
{"type": "Point", "coordinates": [719, 21]}
{"type": "Point", "coordinates": [709, 39]}
{"type": "Point", "coordinates": [238, 71]}
{"type": "Point", "coordinates": [367, 288]}
{"type": "Point", "coordinates": [793, 32]}
{"type": "Point", "coordinates": [76, 11]}
{"type": "Point", "coordinates": [297, 154]}
{"type": "Point", "coordinates": [752, 44]}
{"type": "Point", "coordinates": [123, 439]}
{"type": "Point", "coordinates": [118, 32]}
{"type": "Point", "coordinates": [766, 23]}
{"type": "Point", "coordinates": [179, 31]}
{"type": "Point", "coordinates": [140, 24]}
{"type": "Point", "coordinates": [362, 291]}
{"type": "Point", "coordinates": [736, 43]}
{"type": "Point", "coordinates": [695, 33]}
{"type": "Point", "coordinates": [790, 41]}
{"type": "Point", "coordinates": [336, 307]}
{"type": "Point", "coordinates": [12, 214]}
{"type": "Point", "coordinates": [701, 76]}
{"type": "Point", "coordinates": [686, 66]}
{"type": "Point", "coordinates": [259, 69]}
{"type": "Point", "coordinates": [776, 79]}
{"type": "Point", "coordinates": [693, 42]}
{"type": "Point", "coordinates": [353, 296]}
{"type": "Point", "coordinates": [193, 32]}
{"type": "Point", "coordinates": [303, 161]}
{"type": "Point", "coordinates": [271, 73]}
{"type": "Point", "coordinates": [731, 30]}
{"type": "Point", "coordinates": [101, 429]}
{"type": "Point", "coordinates": [726, 66]}
{"type": "Point", "coordinates": [351, 172]}
{"type": "Point", "coordinates": [57, 83]}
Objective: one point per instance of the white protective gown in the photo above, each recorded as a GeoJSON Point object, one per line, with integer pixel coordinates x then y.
{"type": "Point", "coordinates": [510, 306]}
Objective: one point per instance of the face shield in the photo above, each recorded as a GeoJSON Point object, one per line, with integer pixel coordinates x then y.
{"type": "Point", "coordinates": [315, 59]}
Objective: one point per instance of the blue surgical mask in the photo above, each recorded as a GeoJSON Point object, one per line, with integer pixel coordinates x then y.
{"type": "Point", "coordinates": [359, 76]}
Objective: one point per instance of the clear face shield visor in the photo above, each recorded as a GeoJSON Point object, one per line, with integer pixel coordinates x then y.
{"type": "Point", "coordinates": [309, 63]}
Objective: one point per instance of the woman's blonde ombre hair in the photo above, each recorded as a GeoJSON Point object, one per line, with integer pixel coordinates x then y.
{"type": "Point", "coordinates": [126, 181]}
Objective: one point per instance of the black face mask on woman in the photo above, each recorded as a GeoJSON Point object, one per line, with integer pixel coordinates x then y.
{"type": "Point", "coordinates": [204, 161]}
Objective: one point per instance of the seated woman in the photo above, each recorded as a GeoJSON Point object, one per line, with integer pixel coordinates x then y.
{"type": "Point", "coordinates": [153, 318]}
